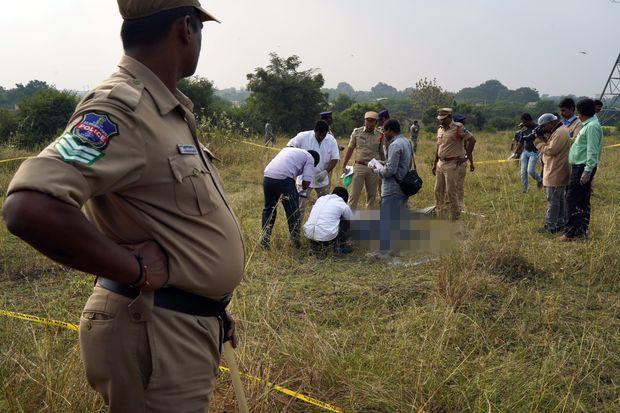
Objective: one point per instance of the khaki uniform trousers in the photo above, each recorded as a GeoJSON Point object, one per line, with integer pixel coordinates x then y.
{"type": "Point", "coordinates": [449, 188]}
{"type": "Point", "coordinates": [363, 176]}
{"type": "Point", "coordinates": [148, 359]}
{"type": "Point", "coordinates": [303, 202]}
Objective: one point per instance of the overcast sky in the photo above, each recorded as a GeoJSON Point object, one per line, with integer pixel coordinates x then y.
{"type": "Point", "coordinates": [75, 43]}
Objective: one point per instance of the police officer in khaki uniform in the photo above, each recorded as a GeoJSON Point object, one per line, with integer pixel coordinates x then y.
{"type": "Point", "coordinates": [366, 142]}
{"type": "Point", "coordinates": [128, 193]}
{"type": "Point", "coordinates": [455, 146]}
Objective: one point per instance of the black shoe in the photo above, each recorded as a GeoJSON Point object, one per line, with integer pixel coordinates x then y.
{"type": "Point", "coordinates": [265, 245]}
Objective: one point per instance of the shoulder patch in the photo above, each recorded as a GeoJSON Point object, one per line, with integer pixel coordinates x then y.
{"type": "Point", "coordinates": [72, 149]}
{"type": "Point", "coordinates": [128, 93]}
{"type": "Point", "coordinates": [95, 130]}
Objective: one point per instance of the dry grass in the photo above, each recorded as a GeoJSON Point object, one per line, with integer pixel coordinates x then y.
{"type": "Point", "coordinates": [510, 321]}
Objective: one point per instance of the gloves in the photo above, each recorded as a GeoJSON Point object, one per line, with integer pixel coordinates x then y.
{"type": "Point", "coordinates": [585, 177]}
{"type": "Point", "coordinates": [319, 176]}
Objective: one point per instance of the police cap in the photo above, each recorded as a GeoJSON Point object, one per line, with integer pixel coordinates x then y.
{"type": "Point", "coordinates": [137, 9]}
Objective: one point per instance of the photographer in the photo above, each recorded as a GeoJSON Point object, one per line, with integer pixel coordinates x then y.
{"type": "Point", "coordinates": [529, 156]}
{"type": "Point", "coordinates": [554, 151]}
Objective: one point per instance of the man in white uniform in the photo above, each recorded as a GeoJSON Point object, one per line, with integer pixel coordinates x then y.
{"type": "Point", "coordinates": [321, 141]}
{"type": "Point", "coordinates": [329, 222]}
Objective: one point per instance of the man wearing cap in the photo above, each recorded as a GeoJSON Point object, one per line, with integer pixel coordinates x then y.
{"type": "Point", "coordinates": [321, 141]}
{"type": "Point", "coordinates": [554, 151]}
{"type": "Point", "coordinates": [366, 142]}
{"type": "Point", "coordinates": [455, 146]}
{"type": "Point", "coordinates": [128, 193]}
{"type": "Point", "coordinates": [584, 157]}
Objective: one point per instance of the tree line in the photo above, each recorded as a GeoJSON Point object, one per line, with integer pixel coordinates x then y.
{"type": "Point", "coordinates": [287, 97]}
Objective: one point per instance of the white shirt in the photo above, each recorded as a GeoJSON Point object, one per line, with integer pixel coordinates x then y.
{"type": "Point", "coordinates": [327, 149]}
{"type": "Point", "coordinates": [291, 163]}
{"type": "Point", "coordinates": [324, 220]}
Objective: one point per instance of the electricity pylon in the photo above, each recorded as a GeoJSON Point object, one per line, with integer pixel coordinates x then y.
{"type": "Point", "coordinates": [611, 93]}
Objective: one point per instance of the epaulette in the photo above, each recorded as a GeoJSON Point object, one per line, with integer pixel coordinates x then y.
{"type": "Point", "coordinates": [127, 93]}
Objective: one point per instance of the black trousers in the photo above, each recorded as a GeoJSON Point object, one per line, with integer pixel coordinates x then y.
{"type": "Point", "coordinates": [338, 242]}
{"type": "Point", "coordinates": [578, 203]}
{"type": "Point", "coordinates": [284, 190]}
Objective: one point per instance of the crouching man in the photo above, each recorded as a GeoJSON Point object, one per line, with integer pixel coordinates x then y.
{"type": "Point", "coordinates": [329, 222]}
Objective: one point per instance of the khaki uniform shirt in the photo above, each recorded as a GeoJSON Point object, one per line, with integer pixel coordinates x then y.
{"type": "Point", "coordinates": [555, 157]}
{"type": "Point", "coordinates": [367, 145]}
{"type": "Point", "coordinates": [130, 158]}
{"type": "Point", "coordinates": [449, 144]}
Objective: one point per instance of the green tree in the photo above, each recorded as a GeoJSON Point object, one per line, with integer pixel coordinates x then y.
{"type": "Point", "coordinates": [428, 95]}
{"type": "Point", "coordinates": [43, 115]}
{"type": "Point", "coordinates": [8, 123]}
{"type": "Point", "coordinates": [287, 97]}
{"type": "Point", "coordinates": [342, 103]}
{"type": "Point", "coordinates": [352, 117]}
{"type": "Point", "coordinates": [201, 93]}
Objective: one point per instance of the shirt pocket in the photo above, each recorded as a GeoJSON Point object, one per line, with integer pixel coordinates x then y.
{"type": "Point", "coordinates": [191, 192]}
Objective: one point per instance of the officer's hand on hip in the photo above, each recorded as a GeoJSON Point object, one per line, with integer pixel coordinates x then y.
{"type": "Point", "coordinates": [229, 329]}
{"type": "Point", "coordinates": [156, 262]}
{"type": "Point", "coordinates": [434, 169]}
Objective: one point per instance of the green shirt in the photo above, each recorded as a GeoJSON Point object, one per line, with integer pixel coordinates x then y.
{"type": "Point", "coordinates": [587, 146]}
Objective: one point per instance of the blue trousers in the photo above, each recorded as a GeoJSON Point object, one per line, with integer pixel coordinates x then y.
{"type": "Point", "coordinates": [529, 161]}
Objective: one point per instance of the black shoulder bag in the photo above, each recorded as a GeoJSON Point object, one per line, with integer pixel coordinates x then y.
{"type": "Point", "coordinates": [411, 182]}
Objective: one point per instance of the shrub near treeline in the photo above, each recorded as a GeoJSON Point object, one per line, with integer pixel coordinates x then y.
{"type": "Point", "coordinates": [37, 118]}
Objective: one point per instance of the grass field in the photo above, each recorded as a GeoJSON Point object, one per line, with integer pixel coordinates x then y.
{"type": "Point", "coordinates": [510, 321]}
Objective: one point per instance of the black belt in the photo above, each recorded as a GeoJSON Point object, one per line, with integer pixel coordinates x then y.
{"type": "Point", "coordinates": [172, 299]}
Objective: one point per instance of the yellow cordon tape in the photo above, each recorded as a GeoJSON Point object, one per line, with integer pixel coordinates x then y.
{"type": "Point", "coordinates": [75, 327]}
{"type": "Point", "coordinates": [14, 159]}
{"type": "Point", "coordinates": [255, 144]}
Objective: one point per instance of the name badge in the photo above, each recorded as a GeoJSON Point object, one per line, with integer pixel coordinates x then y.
{"type": "Point", "coordinates": [187, 149]}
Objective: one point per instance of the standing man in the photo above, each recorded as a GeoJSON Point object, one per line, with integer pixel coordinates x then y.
{"type": "Point", "coordinates": [384, 116]}
{"type": "Point", "coordinates": [598, 105]}
{"type": "Point", "coordinates": [529, 154]}
{"type": "Point", "coordinates": [393, 200]}
{"type": "Point", "coordinates": [569, 119]}
{"type": "Point", "coordinates": [557, 170]}
{"type": "Point", "coordinates": [128, 194]}
{"type": "Point", "coordinates": [366, 142]}
{"type": "Point", "coordinates": [583, 157]}
{"type": "Point", "coordinates": [325, 145]}
{"type": "Point", "coordinates": [279, 185]}
{"type": "Point", "coordinates": [327, 117]}
{"type": "Point", "coordinates": [415, 131]}
{"type": "Point", "coordinates": [455, 146]}
{"type": "Point", "coordinates": [270, 137]}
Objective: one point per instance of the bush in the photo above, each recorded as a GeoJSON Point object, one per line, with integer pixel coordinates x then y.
{"type": "Point", "coordinates": [8, 124]}
{"type": "Point", "coordinates": [502, 123]}
{"type": "Point", "coordinates": [43, 115]}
